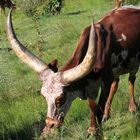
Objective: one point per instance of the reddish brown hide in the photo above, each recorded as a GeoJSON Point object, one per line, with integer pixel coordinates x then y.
{"type": "Point", "coordinates": [118, 52]}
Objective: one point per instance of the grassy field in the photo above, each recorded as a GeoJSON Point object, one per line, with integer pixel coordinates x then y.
{"type": "Point", "coordinates": [23, 109]}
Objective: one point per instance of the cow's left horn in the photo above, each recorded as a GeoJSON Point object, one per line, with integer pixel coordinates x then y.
{"type": "Point", "coordinates": [86, 65]}
{"type": "Point", "coordinates": [26, 56]}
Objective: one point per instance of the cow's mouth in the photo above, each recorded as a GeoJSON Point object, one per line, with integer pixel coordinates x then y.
{"type": "Point", "coordinates": [51, 125]}
{"type": "Point", "coordinates": [55, 122]}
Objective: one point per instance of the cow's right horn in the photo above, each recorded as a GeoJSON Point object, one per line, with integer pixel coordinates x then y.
{"type": "Point", "coordinates": [26, 56]}
{"type": "Point", "coordinates": [86, 65]}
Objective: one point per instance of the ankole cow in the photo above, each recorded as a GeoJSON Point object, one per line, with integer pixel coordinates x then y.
{"type": "Point", "coordinates": [6, 3]}
{"type": "Point", "coordinates": [105, 50]}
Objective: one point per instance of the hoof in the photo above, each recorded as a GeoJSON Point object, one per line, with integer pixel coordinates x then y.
{"type": "Point", "coordinates": [105, 118]}
{"type": "Point", "coordinates": [91, 130]}
{"type": "Point", "coordinates": [94, 133]}
{"type": "Point", "coordinates": [133, 109]}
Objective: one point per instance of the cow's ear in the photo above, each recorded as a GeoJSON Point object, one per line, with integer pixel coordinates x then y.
{"type": "Point", "coordinates": [53, 65]}
{"type": "Point", "coordinates": [102, 44]}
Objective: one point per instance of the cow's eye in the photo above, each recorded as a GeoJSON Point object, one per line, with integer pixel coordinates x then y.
{"type": "Point", "coordinates": [60, 101]}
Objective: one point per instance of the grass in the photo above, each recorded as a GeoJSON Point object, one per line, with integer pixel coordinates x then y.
{"type": "Point", "coordinates": [23, 110]}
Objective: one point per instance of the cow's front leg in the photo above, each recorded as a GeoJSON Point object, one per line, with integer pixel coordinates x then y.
{"type": "Point", "coordinates": [132, 104]}
{"type": "Point", "coordinates": [105, 89]}
{"type": "Point", "coordinates": [93, 124]}
{"type": "Point", "coordinates": [112, 92]}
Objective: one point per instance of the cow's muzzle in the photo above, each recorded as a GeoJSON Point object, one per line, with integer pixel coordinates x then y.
{"type": "Point", "coordinates": [54, 123]}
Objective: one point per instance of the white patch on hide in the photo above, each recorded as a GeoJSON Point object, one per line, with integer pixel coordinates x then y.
{"type": "Point", "coordinates": [128, 7]}
{"type": "Point", "coordinates": [134, 62]}
{"type": "Point", "coordinates": [123, 38]}
{"type": "Point", "coordinates": [114, 58]}
{"type": "Point", "coordinates": [124, 54]}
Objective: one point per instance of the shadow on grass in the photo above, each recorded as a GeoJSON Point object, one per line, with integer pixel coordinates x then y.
{"type": "Point", "coordinates": [76, 12]}
{"type": "Point", "coordinates": [32, 132]}
{"type": "Point", "coordinates": [5, 49]}
{"type": "Point", "coordinates": [29, 132]}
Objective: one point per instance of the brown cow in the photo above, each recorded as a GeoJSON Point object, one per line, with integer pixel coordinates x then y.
{"type": "Point", "coordinates": [6, 3]}
{"type": "Point", "coordinates": [105, 50]}
{"type": "Point", "coordinates": [115, 58]}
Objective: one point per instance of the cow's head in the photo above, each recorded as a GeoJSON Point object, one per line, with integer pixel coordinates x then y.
{"type": "Point", "coordinates": [54, 83]}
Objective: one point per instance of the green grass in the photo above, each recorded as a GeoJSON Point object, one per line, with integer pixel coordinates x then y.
{"type": "Point", "coordinates": [23, 110]}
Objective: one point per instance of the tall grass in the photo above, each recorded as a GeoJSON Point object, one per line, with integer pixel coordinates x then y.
{"type": "Point", "coordinates": [23, 110]}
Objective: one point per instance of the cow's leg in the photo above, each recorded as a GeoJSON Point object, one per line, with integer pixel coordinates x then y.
{"type": "Point", "coordinates": [132, 104]}
{"type": "Point", "coordinates": [112, 92]}
{"type": "Point", "coordinates": [105, 88]}
{"type": "Point", "coordinates": [93, 124]}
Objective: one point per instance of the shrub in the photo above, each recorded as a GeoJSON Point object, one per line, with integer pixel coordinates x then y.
{"type": "Point", "coordinates": [54, 6]}
{"type": "Point", "coordinates": [33, 8]}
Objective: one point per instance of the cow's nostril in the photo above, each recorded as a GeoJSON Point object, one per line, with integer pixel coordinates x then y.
{"type": "Point", "coordinates": [52, 125]}
{"type": "Point", "coordinates": [51, 122]}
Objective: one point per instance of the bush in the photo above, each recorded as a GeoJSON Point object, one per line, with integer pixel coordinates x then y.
{"type": "Point", "coordinates": [34, 8]}
{"type": "Point", "coordinates": [54, 6]}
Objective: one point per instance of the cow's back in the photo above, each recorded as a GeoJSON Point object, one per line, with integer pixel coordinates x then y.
{"type": "Point", "coordinates": [124, 27]}
{"type": "Point", "coordinates": [124, 24]}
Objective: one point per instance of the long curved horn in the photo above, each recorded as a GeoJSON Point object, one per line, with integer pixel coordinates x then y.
{"type": "Point", "coordinates": [86, 65]}
{"type": "Point", "coordinates": [26, 56]}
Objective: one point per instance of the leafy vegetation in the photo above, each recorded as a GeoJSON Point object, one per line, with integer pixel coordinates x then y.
{"type": "Point", "coordinates": [43, 7]}
{"type": "Point", "coordinates": [22, 109]}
